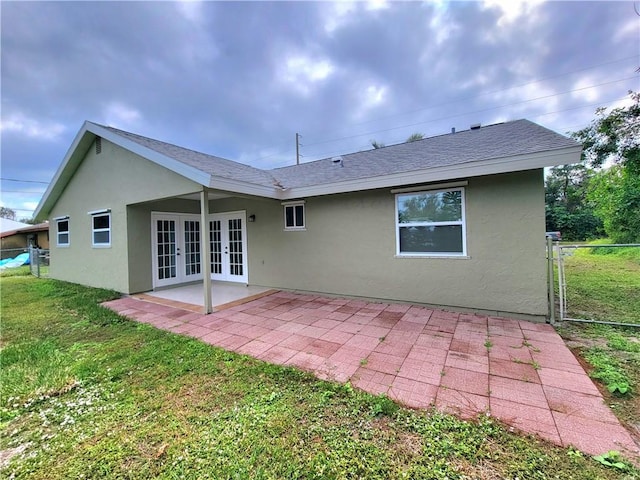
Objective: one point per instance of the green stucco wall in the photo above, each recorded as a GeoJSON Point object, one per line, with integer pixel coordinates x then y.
{"type": "Point", "coordinates": [112, 179]}
{"type": "Point", "coordinates": [349, 248]}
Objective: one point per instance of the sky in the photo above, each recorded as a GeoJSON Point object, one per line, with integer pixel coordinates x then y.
{"type": "Point", "coordinates": [240, 79]}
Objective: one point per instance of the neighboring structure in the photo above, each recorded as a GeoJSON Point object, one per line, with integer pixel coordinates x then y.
{"type": "Point", "coordinates": [455, 220]}
{"type": "Point", "coordinates": [14, 242]}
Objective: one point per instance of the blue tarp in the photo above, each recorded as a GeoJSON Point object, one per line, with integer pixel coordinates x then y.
{"type": "Point", "coordinates": [22, 259]}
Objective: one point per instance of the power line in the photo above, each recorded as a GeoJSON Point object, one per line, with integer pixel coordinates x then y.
{"type": "Point", "coordinates": [280, 152]}
{"type": "Point", "coordinates": [22, 181]}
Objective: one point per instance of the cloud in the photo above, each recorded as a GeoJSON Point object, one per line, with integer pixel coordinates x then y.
{"type": "Point", "coordinates": [122, 116]}
{"type": "Point", "coordinates": [31, 128]}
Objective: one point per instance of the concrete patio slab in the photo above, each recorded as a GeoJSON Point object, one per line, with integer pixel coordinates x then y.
{"type": "Point", "coordinates": [518, 372]}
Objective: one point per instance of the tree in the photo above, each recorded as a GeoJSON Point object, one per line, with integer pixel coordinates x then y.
{"type": "Point", "coordinates": [7, 213]}
{"type": "Point", "coordinates": [614, 138]}
{"type": "Point", "coordinates": [567, 208]}
{"type": "Point", "coordinates": [414, 137]}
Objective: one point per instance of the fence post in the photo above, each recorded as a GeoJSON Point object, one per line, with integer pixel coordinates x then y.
{"type": "Point", "coordinates": [551, 296]}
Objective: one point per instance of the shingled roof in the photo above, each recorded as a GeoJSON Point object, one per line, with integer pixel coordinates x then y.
{"type": "Point", "coordinates": [505, 147]}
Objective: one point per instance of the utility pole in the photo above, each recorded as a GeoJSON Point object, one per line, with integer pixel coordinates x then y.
{"type": "Point", "coordinates": [298, 148]}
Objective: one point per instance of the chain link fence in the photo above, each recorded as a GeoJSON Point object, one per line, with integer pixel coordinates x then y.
{"type": "Point", "coordinates": [39, 262]}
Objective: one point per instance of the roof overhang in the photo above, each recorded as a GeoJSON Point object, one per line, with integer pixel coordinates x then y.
{"type": "Point", "coordinates": [492, 166]}
{"type": "Point", "coordinates": [85, 138]}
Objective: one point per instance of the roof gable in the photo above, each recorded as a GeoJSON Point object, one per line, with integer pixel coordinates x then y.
{"type": "Point", "coordinates": [500, 148]}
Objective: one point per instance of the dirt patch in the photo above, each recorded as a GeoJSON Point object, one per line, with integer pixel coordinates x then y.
{"type": "Point", "coordinates": [9, 453]}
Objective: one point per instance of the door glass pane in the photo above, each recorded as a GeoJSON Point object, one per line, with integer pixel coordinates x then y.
{"type": "Point", "coordinates": [191, 247]}
{"type": "Point", "coordinates": [215, 240]}
{"type": "Point", "coordinates": [166, 249]}
{"type": "Point", "coordinates": [236, 255]}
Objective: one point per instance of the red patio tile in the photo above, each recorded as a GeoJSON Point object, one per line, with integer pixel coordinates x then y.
{"type": "Point", "coordinates": [422, 371]}
{"type": "Point", "coordinates": [510, 354]}
{"type": "Point", "coordinates": [326, 323]}
{"type": "Point", "coordinates": [338, 315]}
{"type": "Point", "coordinates": [464, 361]}
{"type": "Point", "coordinates": [274, 337]}
{"type": "Point", "coordinates": [349, 355]}
{"type": "Point", "coordinates": [374, 331]}
{"type": "Point", "coordinates": [579, 404]}
{"type": "Point", "coordinates": [526, 418]}
{"type": "Point", "coordinates": [592, 436]}
{"type": "Point", "coordinates": [297, 342]}
{"type": "Point", "coordinates": [278, 355]}
{"type": "Point", "coordinates": [413, 393]}
{"type": "Point", "coordinates": [426, 354]}
{"type": "Point", "coordinates": [372, 381]}
{"type": "Point", "coordinates": [288, 316]}
{"type": "Point", "coordinates": [214, 338]}
{"type": "Point", "coordinates": [517, 391]}
{"type": "Point", "coordinates": [394, 347]}
{"type": "Point", "coordinates": [255, 348]}
{"type": "Point", "coordinates": [337, 336]}
{"type": "Point", "coordinates": [383, 362]}
{"type": "Point", "coordinates": [465, 380]}
{"type": "Point", "coordinates": [291, 327]}
{"type": "Point", "coordinates": [574, 382]}
{"type": "Point", "coordinates": [463, 404]}
{"type": "Point", "coordinates": [306, 361]}
{"type": "Point", "coordinates": [233, 342]}
{"type": "Point", "coordinates": [313, 332]}
{"type": "Point", "coordinates": [513, 369]}
{"type": "Point", "coordinates": [348, 327]}
{"type": "Point", "coordinates": [475, 346]}
{"type": "Point", "coordinates": [397, 307]}
{"type": "Point", "coordinates": [434, 340]}
{"type": "Point", "coordinates": [322, 348]}
{"type": "Point", "coordinates": [364, 342]}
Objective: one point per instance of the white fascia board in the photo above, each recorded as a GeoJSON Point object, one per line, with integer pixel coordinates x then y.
{"type": "Point", "coordinates": [187, 171]}
{"type": "Point", "coordinates": [236, 186]}
{"type": "Point", "coordinates": [44, 204]}
{"type": "Point", "coordinates": [563, 156]}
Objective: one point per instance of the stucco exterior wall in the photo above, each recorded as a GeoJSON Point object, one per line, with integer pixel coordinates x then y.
{"type": "Point", "coordinates": [112, 179]}
{"type": "Point", "coordinates": [348, 248]}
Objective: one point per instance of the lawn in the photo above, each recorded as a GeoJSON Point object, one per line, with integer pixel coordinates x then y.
{"type": "Point", "coordinates": [89, 394]}
{"type": "Point", "coordinates": [604, 284]}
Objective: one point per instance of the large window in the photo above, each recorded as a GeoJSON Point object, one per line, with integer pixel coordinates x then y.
{"type": "Point", "coordinates": [101, 229]}
{"type": "Point", "coordinates": [62, 232]}
{"type": "Point", "coordinates": [431, 223]}
{"type": "Point", "coordinates": [294, 216]}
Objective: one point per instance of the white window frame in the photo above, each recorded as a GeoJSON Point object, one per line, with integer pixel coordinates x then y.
{"type": "Point", "coordinates": [94, 215]}
{"type": "Point", "coordinates": [293, 205]}
{"type": "Point", "coordinates": [462, 222]}
{"type": "Point", "coordinates": [67, 232]}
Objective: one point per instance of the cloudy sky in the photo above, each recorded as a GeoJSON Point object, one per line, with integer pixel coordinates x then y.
{"type": "Point", "coordinates": [239, 79]}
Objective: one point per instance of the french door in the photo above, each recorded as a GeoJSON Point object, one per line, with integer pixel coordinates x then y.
{"type": "Point", "coordinates": [177, 257]}
{"type": "Point", "coordinates": [177, 254]}
{"type": "Point", "coordinates": [228, 241]}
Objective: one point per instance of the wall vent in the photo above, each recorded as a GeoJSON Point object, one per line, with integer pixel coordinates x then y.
{"type": "Point", "coordinates": [476, 126]}
{"type": "Point", "coordinates": [98, 145]}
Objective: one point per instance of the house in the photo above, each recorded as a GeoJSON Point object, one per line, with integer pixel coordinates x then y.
{"type": "Point", "coordinates": [18, 239]}
{"type": "Point", "coordinates": [455, 220]}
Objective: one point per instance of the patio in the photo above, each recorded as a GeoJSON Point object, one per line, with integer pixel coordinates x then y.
{"type": "Point", "coordinates": [516, 371]}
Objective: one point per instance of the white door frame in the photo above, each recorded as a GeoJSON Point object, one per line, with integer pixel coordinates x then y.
{"type": "Point", "coordinates": [229, 247]}
{"type": "Point", "coordinates": [181, 257]}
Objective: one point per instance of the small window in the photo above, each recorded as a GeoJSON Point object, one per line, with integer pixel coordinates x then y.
{"type": "Point", "coordinates": [294, 216]}
{"type": "Point", "coordinates": [431, 223]}
{"type": "Point", "coordinates": [62, 233]}
{"type": "Point", "coordinates": [101, 229]}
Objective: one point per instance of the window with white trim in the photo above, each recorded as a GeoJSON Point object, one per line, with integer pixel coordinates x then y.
{"type": "Point", "coordinates": [431, 223]}
{"type": "Point", "coordinates": [101, 229]}
{"type": "Point", "coordinates": [62, 232]}
{"type": "Point", "coordinates": [294, 218]}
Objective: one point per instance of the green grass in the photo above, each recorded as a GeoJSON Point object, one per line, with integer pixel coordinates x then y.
{"type": "Point", "coordinates": [604, 284]}
{"type": "Point", "coordinates": [89, 394]}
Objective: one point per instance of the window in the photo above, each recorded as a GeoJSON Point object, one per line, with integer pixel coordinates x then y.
{"type": "Point", "coordinates": [431, 223]}
{"type": "Point", "coordinates": [62, 231]}
{"type": "Point", "coordinates": [101, 229]}
{"type": "Point", "coordinates": [294, 216]}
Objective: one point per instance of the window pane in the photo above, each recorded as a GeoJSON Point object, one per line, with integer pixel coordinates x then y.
{"type": "Point", "coordinates": [430, 207]}
{"type": "Point", "coordinates": [288, 212]}
{"type": "Point", "coordinates": [63, 226]}
{"type": "Point", "coordinates": [299, 215]}
{"type": "Point", "coordinates": [100, 221]}
{"type": "Point", "coordinates": [441, 239]}
{"type": "Point", "coordinates": [63, 238]}
{"type": "Point", "coordinates": [100, 238]}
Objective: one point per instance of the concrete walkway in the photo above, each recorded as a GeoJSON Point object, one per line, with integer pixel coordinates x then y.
{"type": "Point", "coordinates": [519, 372]}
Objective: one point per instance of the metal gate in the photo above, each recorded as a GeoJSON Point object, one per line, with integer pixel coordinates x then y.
{"type": "Point", "coordinates": [561, 252]}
